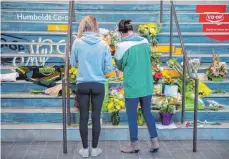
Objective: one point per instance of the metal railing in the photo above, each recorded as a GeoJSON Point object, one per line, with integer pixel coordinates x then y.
{"type": "Point", "coordinates": [186, 65]}
{"type": "Point", "coordinates": [65, 80]}
{"type": "Point", "coordinates": [174, 15]}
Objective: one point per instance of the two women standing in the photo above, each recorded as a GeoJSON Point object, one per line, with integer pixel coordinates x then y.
{"type": "Point", "coordinates": [93, 58]}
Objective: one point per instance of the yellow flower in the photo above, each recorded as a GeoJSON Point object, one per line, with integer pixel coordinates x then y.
{"type": "Point", "coordinates": [153, 31]}
{"type": "Point", "coordinates": [153, 25]}
{"type": "Point", "coordinates": [110, 106]}
{"type": "Point", "coordinates": [74, 73]}
{"type": "Point", "coordinates": [113, 61]}
{"type": "Point", "coordinates": [70, 71]}
{"type": "Point", "coordinates": [118, 107]}
{"type": "Point", "coordinates": [72, 76]}
{"type": "Point", "coordinates": [122, 104]}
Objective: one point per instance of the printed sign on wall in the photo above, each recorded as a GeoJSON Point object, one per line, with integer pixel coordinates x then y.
{"type": "Point", "coordinates": [214, 14]}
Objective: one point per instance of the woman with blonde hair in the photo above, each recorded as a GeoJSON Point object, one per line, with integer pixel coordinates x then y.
{"type": "Point", "coordinates": [93, 57]}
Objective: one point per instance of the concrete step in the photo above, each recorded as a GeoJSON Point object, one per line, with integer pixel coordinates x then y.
{"type": "Point", "coordinates": [53, 132]}
{"type": "Point", "coordinates": [54, 115]}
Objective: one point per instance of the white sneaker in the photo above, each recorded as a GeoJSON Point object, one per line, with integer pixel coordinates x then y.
{"type": "Point", "coordinates": [95, 152]}
{"type": "Point", "coordinates": [84, 152]}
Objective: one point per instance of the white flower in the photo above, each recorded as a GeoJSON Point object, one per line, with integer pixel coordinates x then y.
{"type": "Point", "coordinates": [103, 31]}
{"type": "Point", "coordinates": [120, 96]}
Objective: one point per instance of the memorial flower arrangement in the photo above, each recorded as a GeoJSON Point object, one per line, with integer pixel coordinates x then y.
{"type": "Point", "coordinates": [150, 31]}
{"type": "Point", "coordinates": [158, 76]}
{"type": "Point", "coordinates": [140, 117]}
{"type": "Point", "coordinates": [111, 37]}
{"type": "Point", "coordinates": [213, 105]}
{"type": "Point", "coordinates": [73, 73]}
{"type": "Point", "coordinates": [195, 62]}
{"type": "Point", "coordinates": [168, 79]}
{"type": "Point", "coordinates": [157, 72]}
{"type": "Point", "coordinates": [173, 63]}
{"type": "Point", "coordinates": [156, 59]}
{"type": "Point", "coordinates": [115, 104]}
{"type": "Point", "coordinates": [217, 70]}
{"type": "Point", "coordinates": [166, 110]}
{"type": "Point", "coordinates": [170, 87]}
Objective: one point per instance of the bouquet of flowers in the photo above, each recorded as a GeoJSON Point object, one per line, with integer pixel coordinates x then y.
{"type": "Point", "coordinates": [150, 30]}
{"type": "Point", "coordinates": [173, 63]}
{"type": "Point", "coordinates": [157, 72]}
{"type": "Point", "coordinates": [158, 76]}
{"type": "Point", "coordinates": [73, 73]}
{"type": "Point", "coordinates": [115, 104]}
{"type": "Point", "coordinates": [217, 70]}
{"type": "Point", "coordinates": [168, 79]}
{"type": "Point", "coordinates": [213, 105]}
{"type": "Point", "coordinates": [155, 58]}
{"type": "Point", "coordinates": [140, 116]}
{"type": "Point", "coordinates": [111, 37]}
{"type": "Point", "coordinates": [195, 63]}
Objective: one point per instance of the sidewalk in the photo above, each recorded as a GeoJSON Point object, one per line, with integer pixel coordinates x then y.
{"type": "Point", "coordinates": [111, 150]}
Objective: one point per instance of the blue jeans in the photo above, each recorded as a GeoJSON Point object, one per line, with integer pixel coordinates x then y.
{"type": "Point", "coordinates": [131, 110]}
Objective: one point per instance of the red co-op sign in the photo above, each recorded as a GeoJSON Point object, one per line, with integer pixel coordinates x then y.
{"type": "Point", "coordinates": [214, 14]}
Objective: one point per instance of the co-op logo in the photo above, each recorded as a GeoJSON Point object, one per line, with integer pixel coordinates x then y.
{"type": "Point", "coordinates": [214, 17]}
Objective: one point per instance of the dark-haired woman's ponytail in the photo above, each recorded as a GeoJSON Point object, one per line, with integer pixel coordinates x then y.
{"type": "Point", "coordinates": [124, 26]}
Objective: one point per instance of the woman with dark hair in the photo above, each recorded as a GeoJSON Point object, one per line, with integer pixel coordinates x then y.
{"type": "Point", "coordinates": [93, 57]}
{"type": "Point", "coordinates": [133, 57]}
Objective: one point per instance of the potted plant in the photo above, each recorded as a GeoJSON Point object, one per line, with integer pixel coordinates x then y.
{"type": "Point", "coordinates": [217, 71]}
{"type": "Point", "coordinates": [166, 111]}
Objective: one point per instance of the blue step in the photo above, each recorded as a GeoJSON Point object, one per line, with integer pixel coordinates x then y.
{"type": "Point", "coordinates": [56, 102]}
{"type": "Point", "coordinates": [55, 116]}
{"type": "Point", "coordinates": [152, 6]}
{"type": "Point", "coordinates": [33, 102]}
{"type": "Point", "coordinates": [205, 59]}
{"type": "Point", "coordinates": [188, 39]}
{"type": "Point", "coordinates": [25, 87]}
{"type": "Point", "coordinates": [62, 17]}
{"type": "Point", "coordinates": [54, 132]}
{"type": "Point", "coordinates": [162, 38]}
{"type": "Point", "coordinates": [220, 98]}
{"type": "Point", "coordinates": [185, 27]}
{"type": "Point", "coordinates": [101, 17]}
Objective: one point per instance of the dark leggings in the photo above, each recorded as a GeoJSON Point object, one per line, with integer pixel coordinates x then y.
{"type": "Point", "coordinates": [85, 92]}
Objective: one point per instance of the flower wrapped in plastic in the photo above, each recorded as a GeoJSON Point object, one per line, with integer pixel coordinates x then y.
{"type": "Point", "coordinates": [116, 100]}
{"type": "Point", "coordinates": [217, 70]}
{"type": "Point", "coordinates": [111, 37]}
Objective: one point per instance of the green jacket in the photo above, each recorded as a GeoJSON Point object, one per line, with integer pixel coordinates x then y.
{"type": "Point", "coordinates": [133, 57]}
